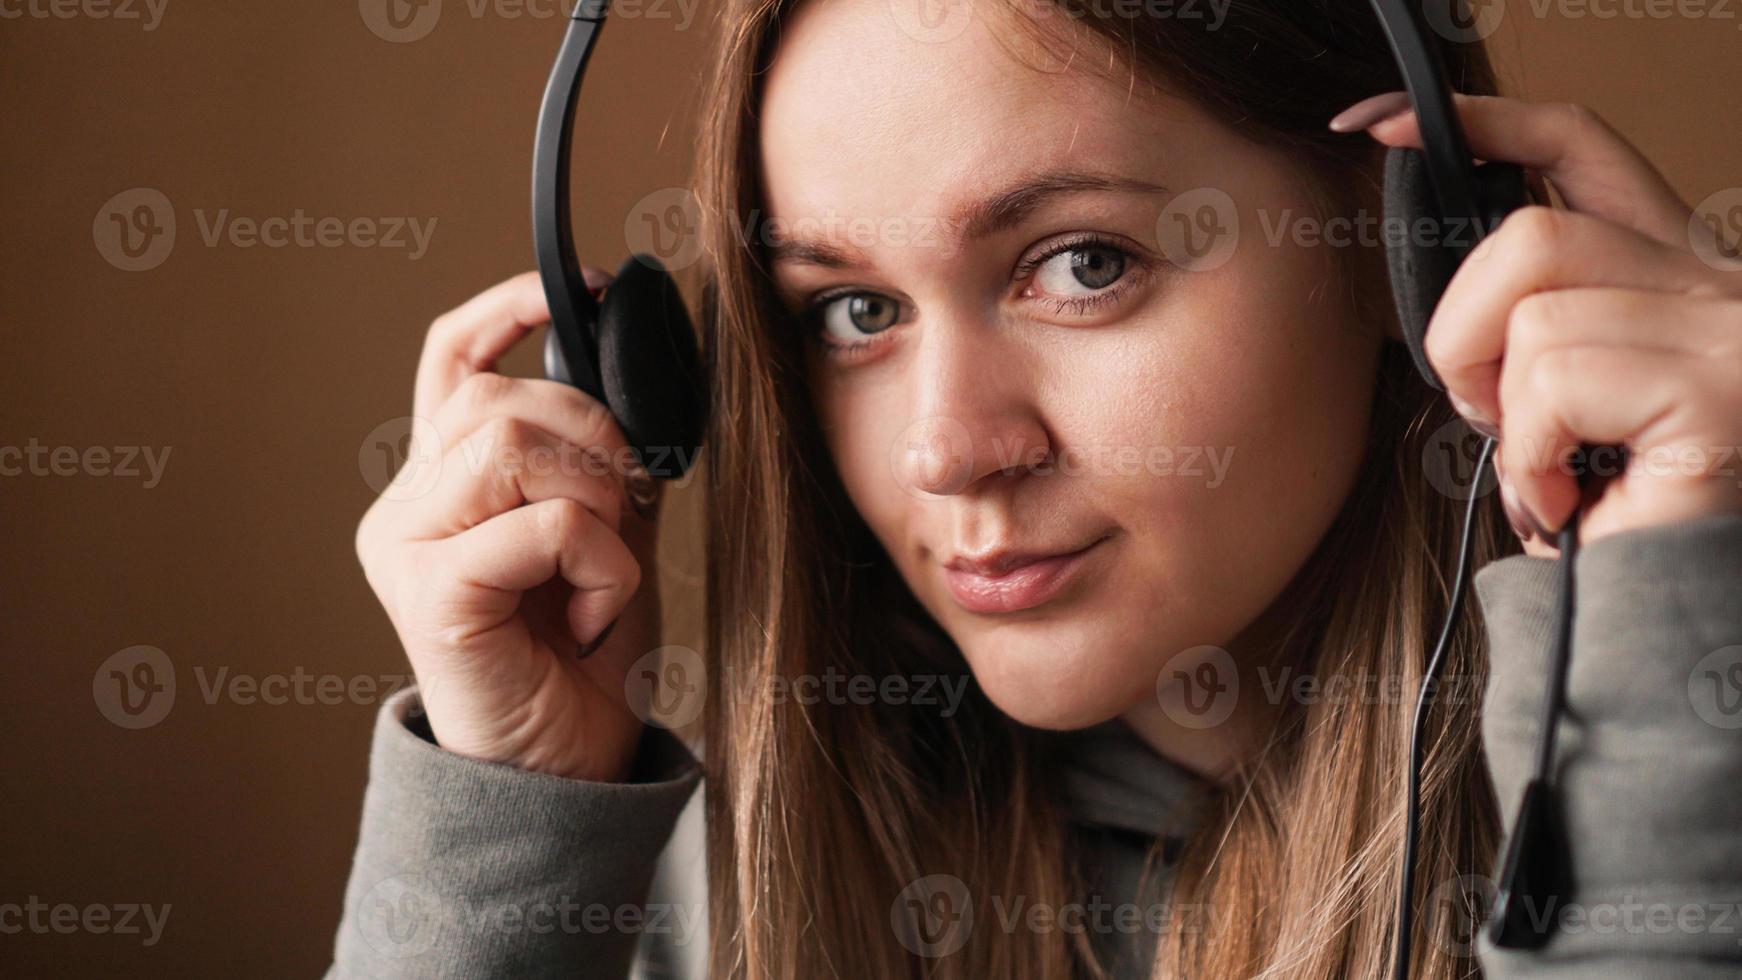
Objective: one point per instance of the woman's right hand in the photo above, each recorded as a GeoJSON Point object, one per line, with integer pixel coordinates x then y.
{"type": "Point", "coordinates": [525, 548]}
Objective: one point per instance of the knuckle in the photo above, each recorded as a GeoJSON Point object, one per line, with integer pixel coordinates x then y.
{"type": "Point", "coordinates": [1440, 346]}
{"type": "Point", "coordinates": [1533, 320]}
{"type": "Point", "coordinates": [481, 392]}
{"type": "Point", "coordinates": [506, 432]}
{"type": "Point", "coordinates": [1532, 233]}
{"type": "Point", "coordinates": [1581, 119]}
{"type": "Point", "coordinates": [562, 518]}
{"type": "Point", "coordinates": [1551, 369]}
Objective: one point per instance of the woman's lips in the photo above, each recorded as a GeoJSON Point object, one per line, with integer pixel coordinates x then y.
{"type": "Point", "coordinates": [1022, 587]}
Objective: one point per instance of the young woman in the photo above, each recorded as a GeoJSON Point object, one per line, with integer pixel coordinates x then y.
{"type": "Point", "coordinates": [1171, 516]}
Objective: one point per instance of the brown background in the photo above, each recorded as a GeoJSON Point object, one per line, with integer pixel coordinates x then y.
{"type": "Point", "coordinates": [266, 370]}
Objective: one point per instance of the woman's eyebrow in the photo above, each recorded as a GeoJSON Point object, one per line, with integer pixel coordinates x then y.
{"type": "Point", "coordinates": [978, 218]}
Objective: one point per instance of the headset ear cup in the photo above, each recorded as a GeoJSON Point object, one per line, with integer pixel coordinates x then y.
{"type": "Point", "coordinates": [1417, 253]}
{"type": "Point", "coordinates": [650, 368]}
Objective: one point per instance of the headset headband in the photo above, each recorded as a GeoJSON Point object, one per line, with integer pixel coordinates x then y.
{"type": "Point", "coordinates": [573, 311]}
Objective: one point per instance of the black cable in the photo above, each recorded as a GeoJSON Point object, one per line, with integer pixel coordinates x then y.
{"type": "Point", "coordinates": [1568, 542]}
{"type": "Point", "coordinates": [1412, 818]}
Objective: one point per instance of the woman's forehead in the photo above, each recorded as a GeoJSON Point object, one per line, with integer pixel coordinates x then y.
{"type": "Point", "coordinates": [861, 118]}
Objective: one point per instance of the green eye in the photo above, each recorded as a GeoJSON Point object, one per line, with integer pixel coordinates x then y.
{"type": "Point", "coordinates": [1073, 270]}
{"type": "Point", "coordinates": [849, 318]}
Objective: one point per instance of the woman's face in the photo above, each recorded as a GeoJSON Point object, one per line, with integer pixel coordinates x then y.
{"type": "Point", "coordinates": [1008, 366]}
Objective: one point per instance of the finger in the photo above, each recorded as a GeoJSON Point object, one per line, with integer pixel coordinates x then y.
{"type": "Point", "coordinates": [562, 410]}
{"type": "Point", "coordinates": [1603, 395]}
{"type": "Point", "coordinates": [1611, 316]}
{"type": "Point", "coordinates": [528, 546]}
{"type": "Point", "coordinates": [469, 339]}
{"type": "Point", "coordinates": [506, 464]}
{"type": "Point", "coordinates": [1595, 169]}
{"type": "Point", "coordinates": [1537, 250]}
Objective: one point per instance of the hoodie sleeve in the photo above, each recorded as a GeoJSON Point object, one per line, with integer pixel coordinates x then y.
{"type": "Point", "coordinates": [467, 868]}
{"type": "Point", "coordinates": [1650, 750]}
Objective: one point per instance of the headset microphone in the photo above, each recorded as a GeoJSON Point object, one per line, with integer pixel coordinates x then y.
{"type": "Point", "coordinates": [1464, 202]}
{"type": "Point", "coordinates": [635, 349]}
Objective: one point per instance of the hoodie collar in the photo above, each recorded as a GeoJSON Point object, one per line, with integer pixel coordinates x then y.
{"type": "Point", "coordinates": [1112, 778]}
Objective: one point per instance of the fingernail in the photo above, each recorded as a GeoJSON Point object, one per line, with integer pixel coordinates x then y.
{"type": "Point", "coordinates": [587, 649]}
{"type": "Point", "coordinates": [1473, 417]}
{"type": "Point", "coordinates": [643, 492]}
{"type": "Point", "coordinates": [1367, 112]}
{"type": "Point", "coordinates": [1509, 503]}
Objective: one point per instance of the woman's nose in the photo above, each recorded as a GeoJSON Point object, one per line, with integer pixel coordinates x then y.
{"type": "Point", "coordinates": [974, 413]}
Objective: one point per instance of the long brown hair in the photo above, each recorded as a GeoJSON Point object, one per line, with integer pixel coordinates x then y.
{"type": "Point", "coordinates": [819, 815]}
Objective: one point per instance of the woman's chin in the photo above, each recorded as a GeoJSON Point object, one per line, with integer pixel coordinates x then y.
{"type": "Point", "coordinates": [1052, 685]}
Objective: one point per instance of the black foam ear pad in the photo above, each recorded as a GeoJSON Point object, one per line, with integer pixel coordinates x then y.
{"type": "Point", "coordinates": [1420, 250]}
{"type": "Point", "coordinates": [650, 368]}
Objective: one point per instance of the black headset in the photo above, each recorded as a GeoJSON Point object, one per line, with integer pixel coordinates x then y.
{"type": "Point", "coordinates": [636, 351]}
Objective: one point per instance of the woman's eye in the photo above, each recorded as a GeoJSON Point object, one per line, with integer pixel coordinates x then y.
{"type": "Point", "coordinates": [847, 319]}
{"type": "Point", "coordinates": [1080, 269]}
{"type": "Point", "coordinates": [1082, 275]}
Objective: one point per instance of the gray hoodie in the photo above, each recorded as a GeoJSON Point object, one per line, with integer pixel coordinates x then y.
{"type": "Point", "coordinates": [471, 869]}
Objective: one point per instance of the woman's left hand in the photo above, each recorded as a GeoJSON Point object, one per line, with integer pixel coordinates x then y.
{"type": "Point", "coordinates": [1600, 324]}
